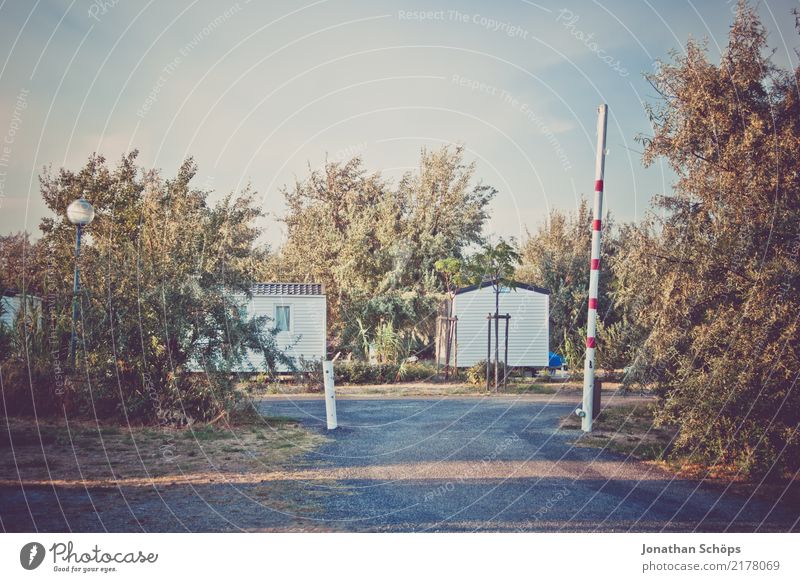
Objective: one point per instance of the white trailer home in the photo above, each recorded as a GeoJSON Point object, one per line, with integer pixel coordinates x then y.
{"type": "Point", "coordinates": [298, 311]}
{"type": "Point", "coordinates": [12, 303]}
{"type": "Point", "coordinates": [528, 327]}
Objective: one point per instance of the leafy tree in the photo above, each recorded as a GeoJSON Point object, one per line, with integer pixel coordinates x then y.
{"type": "Point", "coordinates": [159, 267]}
{"type": "Point", "coordinates": [556, 257]}
{"type": "Point", "coordinates": [19, 263]}
{"type": "Point", "coordinates": [375, 246]}
{"type": "Point", "coordinates": [411, 315]}
{"type": "Point", "coordinates": [451, 271]}
{"type": "Point", "coordinates": [496, 263]}
{"type": "Point", "coordinates": [718, 267]}
{"type": "Point", "coordinates": [442, 214]}
{"type": "Point", "coordinates": [340, 221]}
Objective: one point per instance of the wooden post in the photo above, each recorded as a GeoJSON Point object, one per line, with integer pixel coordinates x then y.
{"type": "Point", "coordinates": [447, 338]}
{"type": "Point", "coordinates": [455, 340]}
{"type": "Point", "coordinates": [438, 343]}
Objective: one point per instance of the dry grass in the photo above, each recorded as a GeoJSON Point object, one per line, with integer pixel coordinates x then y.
{"type": "Point", "coordinates": [428, 389]}
{"type": "Point", "coordinates": [102, 455]}
{"type": "Point", "coordinates": [627, 429]}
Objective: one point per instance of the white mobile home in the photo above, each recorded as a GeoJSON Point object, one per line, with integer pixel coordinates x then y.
{"type": "Point", "coordinates": [12, 303]}
{"type": "Point", "coordinates": [528, 327]}
{"type": "Point", "coordinates": [297, 310]}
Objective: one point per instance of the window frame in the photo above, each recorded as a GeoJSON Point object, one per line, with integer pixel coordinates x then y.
{"type": "Point", "coordinates": [290, 323]}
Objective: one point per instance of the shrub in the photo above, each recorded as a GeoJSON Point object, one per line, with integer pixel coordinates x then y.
{"type": "Point", "coordinates": [417, 371]}
{"type": "Point", "coordinates": [308, 374]}
{"type": "Point", "coordinates": [32, 373]}
{"type": "Point", "coordinates": [476, 374]}
{"type": "Point", "coordinates": [359, 372]}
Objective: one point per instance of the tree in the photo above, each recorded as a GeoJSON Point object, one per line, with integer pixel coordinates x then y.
{"type": "Point", "coordinates": [339, 223]}
{"type": "Point", "coordinates": [556, 257]}
{"type": "Point", "coordinates": [375, 246]}
{"type": "Point", "coordinates": [159, 266]}
{"type": "Point", "coordinates": [441, 214]}
{"type": "Point", "coordinates": [496, 263]}
{"type": "Point", "coordinates": [718, 267]}
{"type": "Point", "coordinates": [19, 263]}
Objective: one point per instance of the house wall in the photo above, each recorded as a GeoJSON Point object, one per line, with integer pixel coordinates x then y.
{"type": "Point", "coordinates": [528, 330]}
{"type": "Point", "coordinates": [306, 337]}
{"type": "Point", "coordinates": [11, 306]}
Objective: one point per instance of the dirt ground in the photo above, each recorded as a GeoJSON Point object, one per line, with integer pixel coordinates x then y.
{"type": "Point", "coordinates": [81, 467]}
{"type": "Point", "coordinates": [275, 473]}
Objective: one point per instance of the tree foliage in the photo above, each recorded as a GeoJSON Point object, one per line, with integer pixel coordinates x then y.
{"type": "Point", "coordinates": [159, 266]}
{"type": "Point", "coordinates": [714, 276]}
{"type": "Point", "coordinates": [375, 246]}
{"type": "Point", "coordinates": [557, 257]}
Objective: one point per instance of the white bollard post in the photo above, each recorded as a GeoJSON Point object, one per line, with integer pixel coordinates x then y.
{"type": "Point", "coordinates": [330, 394]}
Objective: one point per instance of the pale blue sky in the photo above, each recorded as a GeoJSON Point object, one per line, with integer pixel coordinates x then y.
{"type": "Point", "coordinates": [257, 90]}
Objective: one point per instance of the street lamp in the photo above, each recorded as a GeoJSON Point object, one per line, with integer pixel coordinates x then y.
{"type": "Point", "coordinates": [80, 213]}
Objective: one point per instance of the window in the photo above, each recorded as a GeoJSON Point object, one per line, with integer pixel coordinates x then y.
{"type": "Point", "coordinates": [283, 318]}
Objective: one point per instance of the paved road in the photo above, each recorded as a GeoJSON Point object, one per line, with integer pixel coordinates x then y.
{"type": "Point", "coordinates": [496, 464]}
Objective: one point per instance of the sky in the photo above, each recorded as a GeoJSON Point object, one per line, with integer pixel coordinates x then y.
{"type": "Point", "coordinates": [258, 91]}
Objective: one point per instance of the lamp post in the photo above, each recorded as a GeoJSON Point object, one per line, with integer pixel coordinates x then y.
{"type": "Point", "coordinates": [80, 213]}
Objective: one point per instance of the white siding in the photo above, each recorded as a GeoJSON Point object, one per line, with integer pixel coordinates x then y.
{"type": "Point", "coordinates": [528, 330]}
{"type": "Point", "coordinates": [10, 309]}
{"type": "Point", "coordinates": [11, 306]}
{"type": "Point", "coordinates": [306, 336]}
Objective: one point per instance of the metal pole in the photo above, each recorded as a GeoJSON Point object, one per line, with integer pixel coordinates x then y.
{"type": "Point", "coordinates": [496, 335]}
{"type": "Point", "coordinates": [505, 357]}
{"type": "Point", "coordinates": [75, 289]}
{"type": "Point", "coordinates": [488, 350]}
{"type": "Point", "coordinates": [594, 273]}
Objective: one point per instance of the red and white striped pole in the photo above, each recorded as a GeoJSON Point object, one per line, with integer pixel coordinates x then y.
{"type": "Point", "coordinates": [594, 273]}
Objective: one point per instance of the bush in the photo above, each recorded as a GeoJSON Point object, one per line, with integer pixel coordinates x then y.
{"type": "Point", "coordinates": [417, 371]}
{"type": "Point", "coordinates": [476, 374]}
{"type": "Point", "coordinates": [146, 325]}
{"type": "Point", "coordinates": [308, 374]}
{"type": "Point", "coordinates": [33, 377]}
{"type": "Point", "coordinates": [27, 391]}
{"type": "Point", "coordinates": [358, 372]}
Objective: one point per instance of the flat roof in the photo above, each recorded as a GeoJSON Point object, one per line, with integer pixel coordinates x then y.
{"type": "Point", "coordinates": [514, 284]}
{"type": "Point", "coordinates": [283, 289]}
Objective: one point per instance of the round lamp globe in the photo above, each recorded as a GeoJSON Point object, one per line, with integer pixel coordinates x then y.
{"type": "Point", "coordinates": [80, 212]}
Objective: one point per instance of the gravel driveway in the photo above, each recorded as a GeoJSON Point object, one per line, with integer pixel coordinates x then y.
{"type": "Point", "coordinates": [497, 464]}
{"type": "Point", "coordinates": [445, 464]}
